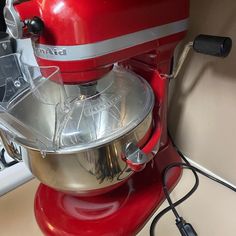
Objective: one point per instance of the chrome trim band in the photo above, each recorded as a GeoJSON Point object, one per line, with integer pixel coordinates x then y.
{"type": "Point", "coordinates": [93, 50]}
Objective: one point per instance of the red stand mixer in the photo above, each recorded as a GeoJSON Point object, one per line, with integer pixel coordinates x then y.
{"type": "Point", "coordinates": [93, 42]}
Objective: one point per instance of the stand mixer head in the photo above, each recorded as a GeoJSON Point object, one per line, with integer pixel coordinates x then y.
{"type": "Point", "coordinates": [85, 38]}
{"type": "Point", "coordinates": [88, 156]}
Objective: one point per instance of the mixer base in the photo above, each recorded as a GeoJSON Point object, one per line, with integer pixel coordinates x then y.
{"type": "Point", "coordinates": [121, 212]}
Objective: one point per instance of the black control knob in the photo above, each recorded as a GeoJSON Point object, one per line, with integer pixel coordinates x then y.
{"type": "Point", "coordinates": [212, 45]}
{"type": "Point", "coordinates": [35, 25]}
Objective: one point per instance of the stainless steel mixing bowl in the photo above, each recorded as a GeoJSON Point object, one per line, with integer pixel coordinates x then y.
{"type": "Point", "coordinates": [83, 151]}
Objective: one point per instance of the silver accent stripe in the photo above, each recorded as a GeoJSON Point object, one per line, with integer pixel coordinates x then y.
{"type": "Point", "coordinates": [87, 51]}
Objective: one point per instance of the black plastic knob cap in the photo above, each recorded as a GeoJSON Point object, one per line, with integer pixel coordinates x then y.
{"type": "Point", "coordinates": [212, 45]}
{"type": "Point", "coordinates": [35, 25]}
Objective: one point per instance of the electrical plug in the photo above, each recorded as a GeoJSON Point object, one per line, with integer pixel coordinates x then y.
{"type": "Point", "coordinates": [185, 229]}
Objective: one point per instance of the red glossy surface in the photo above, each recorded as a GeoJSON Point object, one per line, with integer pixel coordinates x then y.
{"type": "Point", "coordinates": [74, 22]}
{"type": "Point", "coordinates": [122, 212]}
{"type": "Point", "coordinates": [79, 22]}
{"type": "Point", "coordinates": [88, 70]}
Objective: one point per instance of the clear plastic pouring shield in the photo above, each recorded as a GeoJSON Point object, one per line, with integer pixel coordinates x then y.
{"type": "Point", "coordinates": [37, 108]}
{"type": "Point", "coordinates": [28, 99]}
{"type": "Point", "coordinates": [101, 112]}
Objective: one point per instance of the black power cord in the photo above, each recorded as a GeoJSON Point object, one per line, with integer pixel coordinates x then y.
{"type": "Point", "coordinates": [185, 229]}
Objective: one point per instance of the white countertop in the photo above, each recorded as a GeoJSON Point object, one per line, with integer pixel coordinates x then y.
{"type": "Point", "coordinates": [211, 210]}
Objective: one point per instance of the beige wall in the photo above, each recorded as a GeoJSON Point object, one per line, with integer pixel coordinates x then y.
{"type": "Point", "coordinates": [202, 114]}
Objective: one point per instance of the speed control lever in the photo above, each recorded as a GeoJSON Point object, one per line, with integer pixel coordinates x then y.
{"type": "Point", "coordinates": [212, 45]}
{"type": "Point", "coordinates": [205, 44]}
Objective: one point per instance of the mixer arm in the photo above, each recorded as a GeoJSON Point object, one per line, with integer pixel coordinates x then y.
{"type": "Point", "coordinates": [205, 44]}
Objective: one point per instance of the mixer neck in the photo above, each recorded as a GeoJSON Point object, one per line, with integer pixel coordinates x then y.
{"type": "Point", "coordinates": [88, 90]}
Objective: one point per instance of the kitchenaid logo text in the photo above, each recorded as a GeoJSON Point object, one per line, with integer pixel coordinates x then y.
{"type": "Point", "coordinates": [51, 51]}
